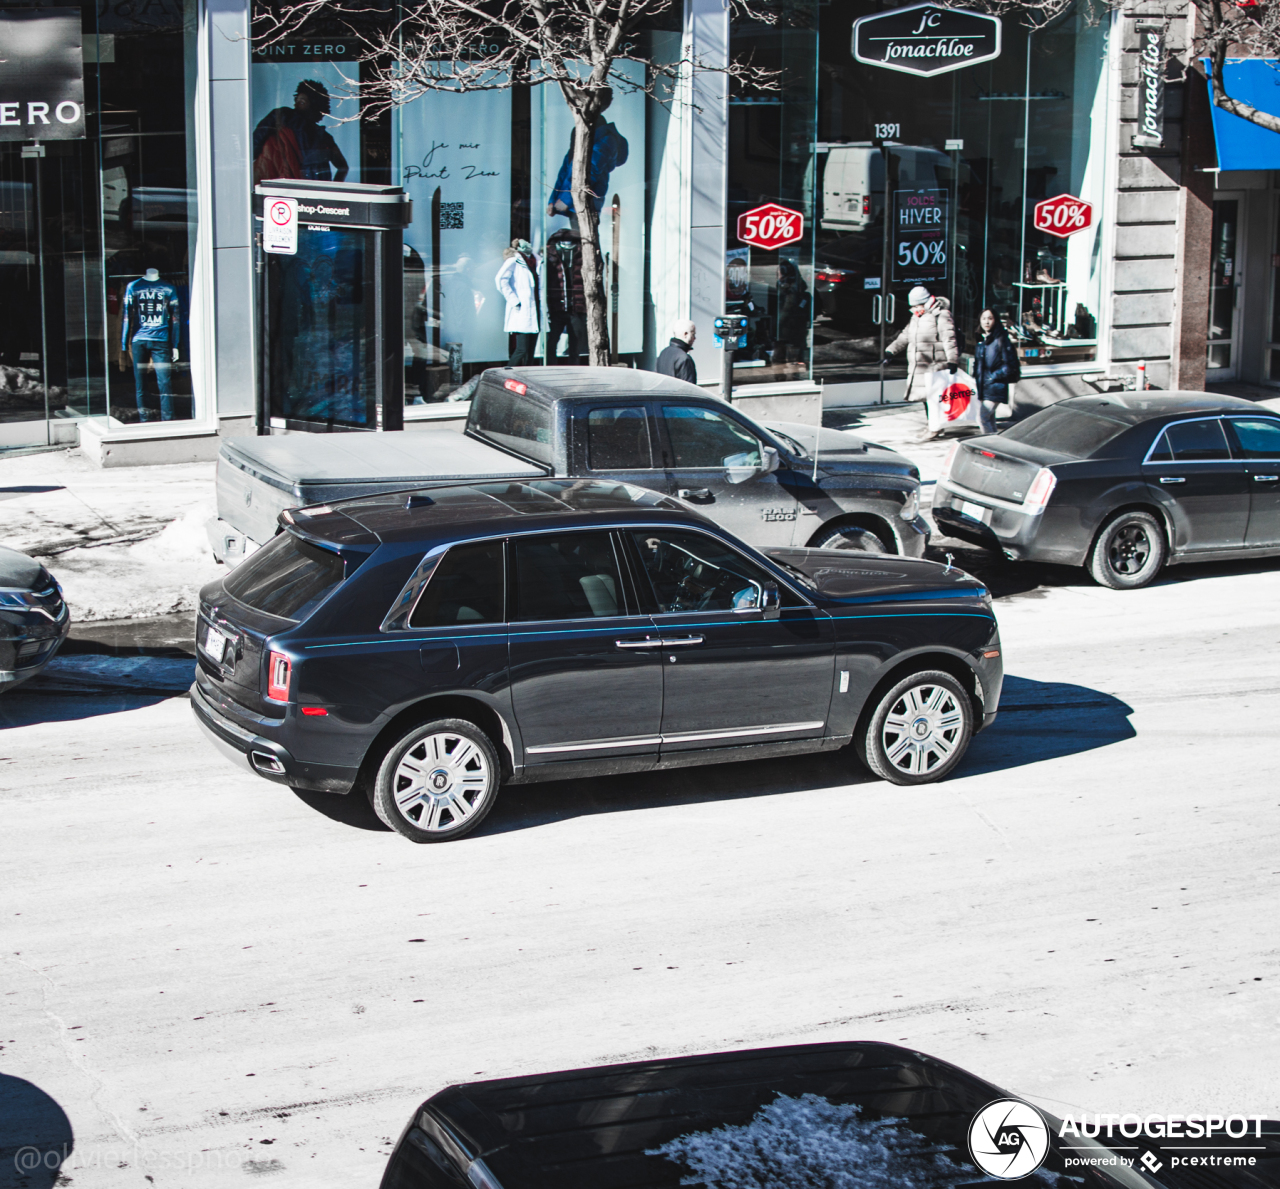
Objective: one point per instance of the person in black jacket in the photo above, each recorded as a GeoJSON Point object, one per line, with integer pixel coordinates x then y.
{"type": "Point", "coordinates": [675, 359]}
{"type": "Point", "coordinates": [995, 367]}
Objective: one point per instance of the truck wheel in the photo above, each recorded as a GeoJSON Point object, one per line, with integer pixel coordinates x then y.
{"type": "Point", "coordinates": [1128, 552]}
{"type": "Point", "coordinates": [919, 730]}
{"type": "Point", "coordinates": [853, 537]}
{"type": "Point", "coordinates": [438, 781]}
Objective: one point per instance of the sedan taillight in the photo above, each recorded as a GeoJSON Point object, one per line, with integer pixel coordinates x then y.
{"type": "Point", "coordinates": [1040, 490]}
{"type": "Point", "coordinates": [279, 670]}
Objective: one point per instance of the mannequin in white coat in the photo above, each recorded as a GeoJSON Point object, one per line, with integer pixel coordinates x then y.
{"type": "Point", "coordinates": [517, 281]}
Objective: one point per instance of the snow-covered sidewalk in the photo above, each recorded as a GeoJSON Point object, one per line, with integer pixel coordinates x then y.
{"type": "Point", "coordinates": [125, 542]}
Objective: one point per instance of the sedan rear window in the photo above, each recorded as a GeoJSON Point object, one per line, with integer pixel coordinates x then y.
{"type": "Point", "coordinates": [1191, 441]}
{"type": "Point", "coordinates": [287, 577]}
{"type": "Point", "coordinates": [1078, 433]}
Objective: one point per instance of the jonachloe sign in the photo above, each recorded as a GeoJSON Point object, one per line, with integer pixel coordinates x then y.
{"type": "Point", "coordinates": [926, 39]}
{"type": "Point", "coordinates": [41, 74]}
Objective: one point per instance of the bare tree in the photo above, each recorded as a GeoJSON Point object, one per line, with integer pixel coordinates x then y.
{"type": "Point", "coordinates": [484, 45]}
{"type": "Point", "coordinates": [1222, 28]}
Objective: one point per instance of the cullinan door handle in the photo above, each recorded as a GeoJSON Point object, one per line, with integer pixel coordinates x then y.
{"type": "Point", "coordinates": [680, 641]}
{"type": "Point", "coordinates": [1265, 478]}
{"type": "Point", "coordinates": [639, 643]}
{"type": "Point", "coordinates": [1171, 479]}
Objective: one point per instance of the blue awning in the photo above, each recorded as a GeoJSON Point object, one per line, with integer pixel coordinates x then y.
{"type": "Point", "coordinates": [1242, 145]}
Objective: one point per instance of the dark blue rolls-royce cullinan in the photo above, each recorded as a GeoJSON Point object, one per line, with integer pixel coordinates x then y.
{"type": "Point", "coordinates": [430, 646]}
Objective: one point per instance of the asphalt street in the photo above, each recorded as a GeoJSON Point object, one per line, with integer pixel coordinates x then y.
{"type": "Point", "coordinates": [207, 976]}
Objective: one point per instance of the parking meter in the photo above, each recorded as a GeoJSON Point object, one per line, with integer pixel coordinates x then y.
{"type": "Point", "coordinates": [730, 335]}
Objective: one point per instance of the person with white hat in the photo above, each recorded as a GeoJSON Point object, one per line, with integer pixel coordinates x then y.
{"type": "Point", "coordinates": [929, 338]}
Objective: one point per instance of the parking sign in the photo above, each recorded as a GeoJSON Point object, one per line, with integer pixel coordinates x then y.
{"type": "Point", "coordinates": [280, 225]}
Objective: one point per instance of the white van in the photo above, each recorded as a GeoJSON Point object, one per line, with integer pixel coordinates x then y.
{"type": "Point", "coordinates": [853, 183]}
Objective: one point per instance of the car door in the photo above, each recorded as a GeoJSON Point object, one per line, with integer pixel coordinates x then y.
{"type": "Point", "coordinates": [731, 675]}
{"type": "Point", "coordinates": [615, 441]}
{"type": "Point", "coordinates": [586, 672]}
{"type": "Point", "coordinates": [716, 462]}
{"type": "Point", "coordinates": [1257, 441]}
{"type": "Point", "coordinates": [1191, 465]}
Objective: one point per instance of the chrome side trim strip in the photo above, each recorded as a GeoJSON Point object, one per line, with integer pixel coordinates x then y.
{"type": "Point", "coordinates": [607, 743]}
{"type": "Point", "coordinates": [689, 737]}
{"type": "Point", "coordinates": [779, 729]}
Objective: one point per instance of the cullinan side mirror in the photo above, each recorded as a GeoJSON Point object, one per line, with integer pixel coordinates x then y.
{"type": "Point", "coordinates": [770, 601]}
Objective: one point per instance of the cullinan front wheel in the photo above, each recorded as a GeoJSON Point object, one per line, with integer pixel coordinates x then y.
{"type": "Point", "coordinates": [438, 781]}
{"type": "Point", "coordinates": [919, 730]}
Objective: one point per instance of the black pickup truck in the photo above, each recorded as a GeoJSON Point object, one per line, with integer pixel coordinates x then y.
{"type": "Point", "coordinates": [771, 483]}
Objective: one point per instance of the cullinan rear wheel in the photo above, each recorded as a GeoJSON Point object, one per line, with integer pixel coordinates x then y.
{"type": "Point", "coordinates": [438, 781]}
{"type": "Point", "coordinates": [852, 537]}
{"type": "Point", "coordinates": [919, 730]}
{"type": "Point", "coordinates": [1129, 551]}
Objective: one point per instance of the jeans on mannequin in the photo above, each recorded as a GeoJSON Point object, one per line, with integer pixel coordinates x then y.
{"type": "Point", "coordinates": [160, 356]}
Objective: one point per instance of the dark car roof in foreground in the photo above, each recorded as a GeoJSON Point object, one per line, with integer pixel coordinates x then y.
{"type": "Point", "coordinates": [592, 1127]}
{"type": "Point", "coordinates": [1139, 407]}
{"type": "Point", "coordinates": [558, 383]}
{"type": "Point", "coordinates": [440, 512]}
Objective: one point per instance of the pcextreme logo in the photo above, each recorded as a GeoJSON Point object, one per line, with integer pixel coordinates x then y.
{"type": "Point", "coordinates": [1008, 1139]}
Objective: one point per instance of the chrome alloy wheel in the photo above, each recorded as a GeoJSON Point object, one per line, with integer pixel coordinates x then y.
{"type": "Point", "coordinates": [922, 729]}
{"type": "Point", "coordinates": [1129, 549]}
{"type": "Point", "coordinates": [441, 781]}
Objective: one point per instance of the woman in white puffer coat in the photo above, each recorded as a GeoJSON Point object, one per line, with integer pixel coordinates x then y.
{"type": "Point", "coordinates": [517, 281]}
{"type": "Point", "coordinates": [929, 339]}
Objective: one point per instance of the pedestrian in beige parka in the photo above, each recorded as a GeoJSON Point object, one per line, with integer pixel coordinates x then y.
{"type": "Point", "coordinates": [929, 339]}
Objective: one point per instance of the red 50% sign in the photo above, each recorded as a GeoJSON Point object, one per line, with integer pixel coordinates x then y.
{"type": "Point", "coordinates": [770, 226]}
{"type": "Point", "coordinates": [1063, 215]}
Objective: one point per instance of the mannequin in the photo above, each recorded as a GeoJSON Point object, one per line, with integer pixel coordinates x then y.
{"type": "Point", "coordinates": [150, 328]}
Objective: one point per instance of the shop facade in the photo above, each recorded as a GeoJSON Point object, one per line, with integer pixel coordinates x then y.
{"type": "Point", "coordinates": [941, 169]}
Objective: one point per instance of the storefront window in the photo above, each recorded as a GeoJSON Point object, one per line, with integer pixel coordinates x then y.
{"type": "Point", "coordinates": [969, 153]}
{"type": "Point", "coordinates": [97, 236]}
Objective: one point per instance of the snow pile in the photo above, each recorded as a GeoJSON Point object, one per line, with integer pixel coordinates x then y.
{"type": "Point", "coordinates": [160, 575]}
{"type": "Point", "coordinates": [815, 1144]}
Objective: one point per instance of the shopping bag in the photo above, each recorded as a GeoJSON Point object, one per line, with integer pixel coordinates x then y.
{"type": "Point", "coordinates": [952, 401]}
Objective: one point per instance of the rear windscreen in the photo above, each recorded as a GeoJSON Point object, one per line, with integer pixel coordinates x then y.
{"type": "Point", "coordinates": [286, 578]}
{"type": "Point", "coordinates": [509, 419]}
{"type": "Point", "coordinates": [1075, 432]}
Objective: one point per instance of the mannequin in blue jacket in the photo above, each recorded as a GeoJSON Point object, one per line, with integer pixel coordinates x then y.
{"type": "Point", "coordinates": [149, 331]}
{"type": "Point", "coordinates": [609, 149]}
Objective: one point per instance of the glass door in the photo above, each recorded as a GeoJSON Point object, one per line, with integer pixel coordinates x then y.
{"type": "Point", "coordinates": [1224, 288]}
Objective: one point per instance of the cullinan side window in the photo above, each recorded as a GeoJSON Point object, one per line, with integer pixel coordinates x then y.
{"type": "Point", "coordinates": [467, 586]}
{"type": "Point", "coordinates": [694, 572]}
{"type": "Point", "coordinates": [566, 576]}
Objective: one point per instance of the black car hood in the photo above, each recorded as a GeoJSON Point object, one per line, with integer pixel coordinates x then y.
{"type": "Point", "coordinates": [846, 577]}
{"type": "Point", "coordinates": [840, 451]}
{"type": "Point", "coordinates": [20, 572]}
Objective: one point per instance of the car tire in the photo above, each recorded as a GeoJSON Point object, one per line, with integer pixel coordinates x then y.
{"type": "Point", "coordinates": [438, 781]}
{"type": "Point", "coordinates": [1129, 552]}
{"type": "Point", "coordinates": [852, 537]}
{"type": "Point", "coordinates": [919, 730]}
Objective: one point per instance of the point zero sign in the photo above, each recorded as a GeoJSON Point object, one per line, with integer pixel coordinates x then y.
{"type": "Point", "coordinates": [280, 226]}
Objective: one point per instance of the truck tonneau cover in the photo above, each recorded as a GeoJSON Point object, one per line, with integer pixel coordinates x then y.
{"type": "Point", "coordinates": [307, 462]}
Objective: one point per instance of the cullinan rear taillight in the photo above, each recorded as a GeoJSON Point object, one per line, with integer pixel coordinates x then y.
{"type": "Point", "coordinates": [279, 670]}
{"type": "Point", "coordinates": [946, 462]}
{"type": "Point", "coordinates": [1040, 490]}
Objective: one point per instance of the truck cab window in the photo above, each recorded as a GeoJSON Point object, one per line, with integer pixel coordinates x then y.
{"type": "Point", "coordinates": [618, 439]}
{"type": "Point", "coordinates": [704, 438]}
{"type": "Point", "coordinates": [466, 587]}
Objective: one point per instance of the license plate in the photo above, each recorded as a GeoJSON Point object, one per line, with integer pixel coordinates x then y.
{"type": "Point", "coordinates": [976, 511]}
{"type": "Point", "coordinates": [214, 644]}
